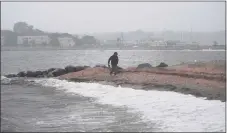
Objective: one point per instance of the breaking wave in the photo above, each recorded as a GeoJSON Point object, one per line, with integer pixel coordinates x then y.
{"type": "Point", "coordinates": [5, 80]}
{"type": "Point", "coordinates": [171, 111]}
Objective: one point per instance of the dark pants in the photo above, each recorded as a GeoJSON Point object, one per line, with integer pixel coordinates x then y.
{"type": "Point", "coordinates": [114, 69]}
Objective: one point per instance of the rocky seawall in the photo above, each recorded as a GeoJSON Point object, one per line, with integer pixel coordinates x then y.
{"type": "Point", "coordinates": [201, 79]}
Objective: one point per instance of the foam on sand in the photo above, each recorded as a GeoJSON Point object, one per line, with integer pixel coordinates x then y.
{"type": "Point", "coordinates": [171, 111]}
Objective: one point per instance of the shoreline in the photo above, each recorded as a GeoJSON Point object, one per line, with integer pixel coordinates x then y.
{"type": "Point", "coordinates": [202, 48]}
{"type": "Point", "coordinates": [197, 91]}
{"type": "Point", "coordinates": [157, 87]}
{"type": "Point", "coordinates": [160, 87]}
{"type": "Point", "coordinates": [201, 79]}
{"type": "Point", "coordinates": [210, 84]}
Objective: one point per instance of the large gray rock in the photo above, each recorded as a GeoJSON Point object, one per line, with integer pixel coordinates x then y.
{"type": "Point", "coordinates": [30, 74]}
{"type": "Point", "coordinates": [38, 73]}
{"type": "Point", "coordinates": [34, 74]}
{"type": "Point", "coordinates": [162, 64]}
{"type": "Point", "coordinates": [57, 72]}
{"type": "Point", "coordinates": [80, 68]}
{"type": "Point", "coordinates": [85, 67]}
{"type": "Point", "coordinates": [48, 73]}
{"type": "Point", "coordinates": [45, 73]}
{"type": "Point", "coordinates": [11, 75]}
{"type": "Point", "coordinates": [75, 69]}
{"type": "Point", "coordinates": [21, 74]}
{"type": "Point", "coordinates": [51, 69]}
{"type": "Point", "coordinates": [70, 69]}
{"type": "Point", "coordinates": [144, 65]}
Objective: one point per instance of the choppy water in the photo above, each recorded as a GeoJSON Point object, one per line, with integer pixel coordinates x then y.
{"type": "Point", "coordinates": [16, 61]}
{"type": "Point", "coordinates": [56, 105]}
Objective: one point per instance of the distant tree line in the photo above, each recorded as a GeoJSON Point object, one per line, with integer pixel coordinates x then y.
{"type": "Point", "coordinates": [10, 37]}
{"type": "Point", "coordinates": [24, 29]}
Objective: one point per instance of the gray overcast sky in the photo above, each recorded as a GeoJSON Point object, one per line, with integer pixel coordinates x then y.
{"type": "Point", "coordinates": [80, 17]}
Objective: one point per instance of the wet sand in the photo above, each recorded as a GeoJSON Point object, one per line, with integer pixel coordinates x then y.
{"type": "Point", "coordinates": [199, 79]}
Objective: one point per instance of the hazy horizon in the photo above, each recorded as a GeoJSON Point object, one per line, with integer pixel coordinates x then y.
{"type": "Point", "coordinates": [99, 17]}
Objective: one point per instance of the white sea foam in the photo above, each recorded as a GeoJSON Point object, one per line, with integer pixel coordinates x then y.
{"type": "Point", "coordinates": [5, 80]}
{"type": "Point", "coordinates": [169, 110]}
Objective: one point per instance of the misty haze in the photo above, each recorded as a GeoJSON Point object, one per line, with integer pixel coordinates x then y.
{"type": "Point", "coordinates": [114, 25]}
{"type": "Point", "coordinates": [113, 66]}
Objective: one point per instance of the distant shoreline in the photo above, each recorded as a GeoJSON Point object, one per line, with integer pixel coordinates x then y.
{"type": "Point", "coordinates": [201, 48]}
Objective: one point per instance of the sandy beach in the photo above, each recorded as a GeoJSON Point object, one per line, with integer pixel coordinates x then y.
{"type": "Point", "coordinates": [199, 79]}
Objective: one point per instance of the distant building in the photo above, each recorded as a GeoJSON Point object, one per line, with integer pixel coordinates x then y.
{"type": "Point", "coordinates": [161, 43]}
{"type": "Point", "coordinates": [181, 43]}
{"type": "Point", "coordinates": [2, 40]}
{"type": "Point", "coordinates": [157, 43]}
{"type": "Point", "coordinates": [32, 40]}
{"type": "Point", "coordinates": [129, 42]}
{"type": "Point", "coordinates": [173, 43]}
{"type": "Point", "coordinates": [66, 42]}
{"type": "Point", "coordinates": [153, 42]}
{"type": "Point", "coordinates": [110, 42]}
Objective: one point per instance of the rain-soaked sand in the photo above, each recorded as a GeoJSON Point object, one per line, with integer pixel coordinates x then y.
{"type": "Point", "coordinates": [199, 79]}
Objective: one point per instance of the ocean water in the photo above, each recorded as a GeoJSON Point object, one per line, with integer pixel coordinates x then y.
{"type": "Point", "coordinates": [30, 104]}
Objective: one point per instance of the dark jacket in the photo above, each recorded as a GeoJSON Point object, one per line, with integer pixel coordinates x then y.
{"type": "Point", "coordinates": [113, 59]}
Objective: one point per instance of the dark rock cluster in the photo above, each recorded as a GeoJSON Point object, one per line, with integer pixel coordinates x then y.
{"type": "Point", "coordinates": [147, 65]}
{"type": "Point", "coordinates": [52, 72]}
